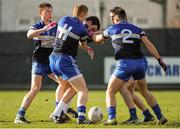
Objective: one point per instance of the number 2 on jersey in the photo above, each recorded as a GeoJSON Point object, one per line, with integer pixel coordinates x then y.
{"type": "Point", "coordinates": [128, 35]}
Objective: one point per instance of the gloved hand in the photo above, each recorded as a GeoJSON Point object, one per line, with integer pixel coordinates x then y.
{"type": "Point", "coordinates": [50, 26]}
{"type": "Point", "coordinates": [91, 53]}
{"type": "Point", "coordinates": [163, 65]}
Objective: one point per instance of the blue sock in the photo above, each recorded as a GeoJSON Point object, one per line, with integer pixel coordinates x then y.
{"type": "Point", "coordinates": [111, 112]}
{"type": "Point", "coordinates": [157, 111]}
{"type": "Point", "coordinates": [146, 113]}
{"type": "Point", "coordinates": [57, 103]}
{"type": "Point", "coordinates": [22, 111]}
{"type": "Point", "coordinates": [81, 112]}
{"type": "Point", "coordinates": [132, 113]}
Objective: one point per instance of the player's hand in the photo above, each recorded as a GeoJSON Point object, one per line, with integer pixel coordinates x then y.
{"type": "Point", "coordinates": [163, 65]}
{"type": "Point", "coordinates": [50, 26]}
{"type": "Point", "coordinates": [90, 52]}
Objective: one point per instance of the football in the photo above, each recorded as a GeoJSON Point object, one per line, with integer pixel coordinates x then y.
{"type": "Point", "coordinates": [95, 114]}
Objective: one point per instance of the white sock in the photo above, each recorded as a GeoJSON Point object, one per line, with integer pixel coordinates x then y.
{"type": "Point", "coordinates": [68, 104]}
{"type": "Point", "coordinates": [60, 107]}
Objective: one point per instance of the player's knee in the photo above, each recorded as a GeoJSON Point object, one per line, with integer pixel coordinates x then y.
{"type": "Point", "coordinates": [34, 90]}
{"type": "Point", "coordinates": [145, 93]}
{"type": "Point", "coordinates": [109, 91]}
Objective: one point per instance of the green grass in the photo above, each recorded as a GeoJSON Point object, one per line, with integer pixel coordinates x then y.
{"type": "Point", "coordinates": [44, 103]}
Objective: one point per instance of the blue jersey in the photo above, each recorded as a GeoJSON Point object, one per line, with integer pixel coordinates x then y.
{"type": "Point", "coordinates": [126, 40]}
{"type": "Point", "coordinates": [70, 31]}
{"type": "Point", "coordinates": [43, 44]}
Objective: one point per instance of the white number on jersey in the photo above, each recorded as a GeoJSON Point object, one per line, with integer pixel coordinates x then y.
{"type": "Point", "coordinates": [64, 32]}
{"type": "Point", "coordinates": [128, 35]}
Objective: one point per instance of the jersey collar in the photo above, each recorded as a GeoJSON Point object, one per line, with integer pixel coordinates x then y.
{"type": "Point", "coordinates": [123, 22]}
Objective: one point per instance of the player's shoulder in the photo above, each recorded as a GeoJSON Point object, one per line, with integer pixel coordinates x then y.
{"type": "Point", "coordinates": [134, 26]}
{"type": "Point", "coordinates": [110, 27]}
{"type": "Point", "coordinates": [66, 19]}
{"type": "Point", "coordinates": [39, 24]}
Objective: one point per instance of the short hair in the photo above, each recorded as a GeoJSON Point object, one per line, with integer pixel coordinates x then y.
{"type": "Point", "coordinates": [114, 9]}
{"type": "Point", "coordinates": [120, 13]}
{"type": "Point", "coordinates": [94, 20]}
{"type": "Point", "coordinates": [78, 9]}
{"type": "Point", "coordinates": [44, 4]}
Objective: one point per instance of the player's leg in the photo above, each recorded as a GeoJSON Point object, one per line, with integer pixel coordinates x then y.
{"type": "Point", "coordinates": [114, 86]}
{"type": "Point", "coordinates": [65, 66]}
{"type": "Point", "coordinates": [79, 84]}
{"type": "Point", "coordinates": [123, 91]}
{"type": "Point", "coordinates": [60, 91]}
{"type": "Point", "coordinates": [36, 81]}
{"type": "Point", "coordinates": [62, 107]}
{"type": "Point", "coordinates": [127, 96]}
{"type": "Point", "coordinates": [121, 75]}
{"type": "Point", "coordinates": [67, 98]}
{"type": "Point", "coordinates": [151, 100]}
{"type": "Point", "coordinates": [139, 103]}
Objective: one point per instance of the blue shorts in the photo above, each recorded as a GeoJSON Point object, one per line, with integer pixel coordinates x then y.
{"type": "Point", "coordinates": [40, 68]}
{"type": "Point", "coordinates": [64, 66]}
{"type": "Point", "coordinates": [125, 68]}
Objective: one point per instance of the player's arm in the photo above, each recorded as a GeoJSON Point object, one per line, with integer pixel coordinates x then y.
{"type": "Point", "coordinates": [152, 49]}
{"type": "Point", "coordinates": [98, 38]}
{"type": "Point", "coordinates": [36, 32]}
{"type": "Point", "coordinates": [88, 49]}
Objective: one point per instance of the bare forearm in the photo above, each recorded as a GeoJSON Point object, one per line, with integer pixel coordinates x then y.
{"type": "Point", "coordinates": [151, 48]}
{"type": "Point", "coordinates": [35, 33]}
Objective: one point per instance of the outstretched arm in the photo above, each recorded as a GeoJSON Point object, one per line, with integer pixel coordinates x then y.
{"type": "Point", "coordinates": [34, 33]}
{"type": "Point", "coordinates": [98, 38]}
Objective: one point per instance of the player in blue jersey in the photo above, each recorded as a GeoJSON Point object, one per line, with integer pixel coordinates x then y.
{"type": "Point", "coordinates": [126, 40]}
{"type": "Point", "coordinates": [130, 85]}
{"type": "Point", "coordinates": [43, 34]}
{"type": "Point", "coordinates": [92, 23]}
{"type": "Point", "coordinates": [63, 63]}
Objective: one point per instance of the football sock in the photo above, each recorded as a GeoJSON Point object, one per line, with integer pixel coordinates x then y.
{"type": "Point", "coordinates": [146, 113]}
{"type": "Point", "coordinates": [132, 113]}
{"type": "Point", "coordinates": [81, 112]}
{"type": "Point", "coordinates": [59, 108]}
{"type": "Point", "coordinates": [22, 111]}
{"type": "Point", "coordinates": [65, 108]}
{"type": "Point", "coordinates": [157, 111]}
{"type": "Point", "coordinates": [111, 112]}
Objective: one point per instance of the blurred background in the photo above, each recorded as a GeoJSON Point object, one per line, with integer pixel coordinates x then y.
{"type": "Point", "coordinates": [159, 18]}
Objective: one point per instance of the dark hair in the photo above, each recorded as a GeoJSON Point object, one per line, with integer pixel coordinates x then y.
{"type": "Point", "coordinates": [114, 9]}
{"type": "Point", "coordinates": [44, 4]}
{"type": "Point", "coordinates": [94, 20]}
{"type": "Point", "coordinates": [120, 13]}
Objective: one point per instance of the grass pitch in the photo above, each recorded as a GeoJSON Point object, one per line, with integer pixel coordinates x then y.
{"type": "Point", "coordinates": [44, 103]}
